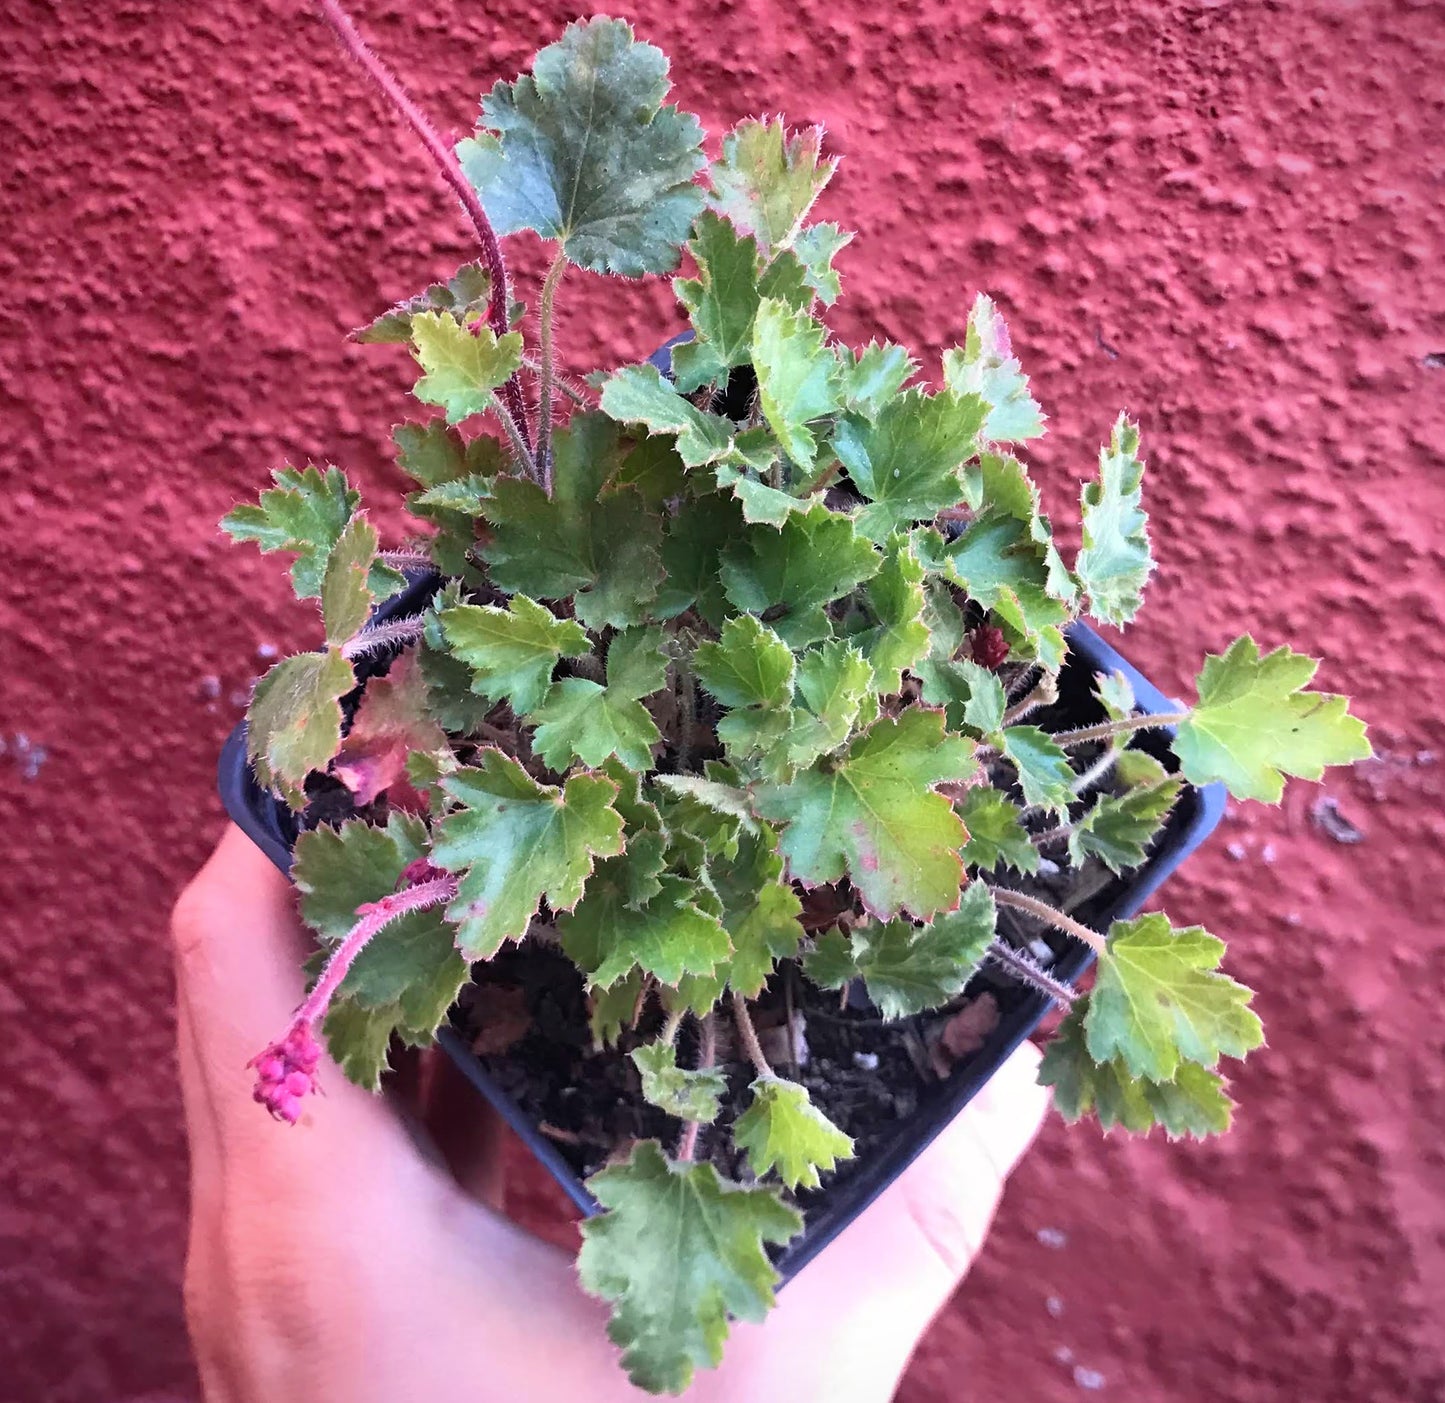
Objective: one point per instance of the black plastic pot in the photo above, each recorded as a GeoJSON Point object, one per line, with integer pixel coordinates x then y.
{"type": "Point", "coordinates": [272, 826]}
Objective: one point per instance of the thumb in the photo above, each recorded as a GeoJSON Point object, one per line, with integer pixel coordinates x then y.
{"type": "Point", "coordinates": [858, 1310]}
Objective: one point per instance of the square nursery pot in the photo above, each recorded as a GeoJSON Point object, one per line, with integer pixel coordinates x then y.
{"type": "Point", "coordinates": [274, 829]}
{"type": "Point", "coordinates": [1103, 898]}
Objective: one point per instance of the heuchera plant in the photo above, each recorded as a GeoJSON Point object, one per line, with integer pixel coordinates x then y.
{"type": "Point", "coordinates": [702, 646]}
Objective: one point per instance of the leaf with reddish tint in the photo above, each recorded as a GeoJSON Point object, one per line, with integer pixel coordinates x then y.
{"type": "Point", "coordinates": [871, 813]}
{"type": "Point", "coordinates": [392, 723]}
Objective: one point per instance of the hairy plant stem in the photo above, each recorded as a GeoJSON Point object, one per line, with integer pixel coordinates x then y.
{"type": "Point", "coordinates": [706, 1056]}
{"type": "Point", "coordinates": [1022, 683]}
{"type": "Point", "coordinates": [687, 712]}
{"type": "Point", "coordinates": [1107, 730]}
{"type": "Point", "coordinates": [373, 917]}
{"type": "Point", "coordinates": [1042, 695]}
{"type": "Point", "coordinates": [669, 1029]}
{"type": "Point", "coordinates": [749, 1035]}
{"type": "Point", "coordinates": [1025, 967]}
{"type": "Point", "coordinates": [450, 170]}
{"type": "Point", "coordinates": [516, 433]}
{"type": "Point", "coordinates": [1101, 767]}
{"type": "Point", "coordinates": [560, 382]}
{"type": "Point", "coordinates": [373, 640]}
{"type": "Point", "coordinates": [406, 558]}
{"type": "Point", "coordinates": [549, 370]}
{"type": "Point", "coordinates": [1049, 916]}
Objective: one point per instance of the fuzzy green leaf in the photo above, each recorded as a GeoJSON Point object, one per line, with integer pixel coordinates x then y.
{"type": "Point", "coordinates": [677, 1252]}
{"type": "Point", "coordinates": [899, 638]}
{"type": "Point", "coordinates": [816, 247]}
{"type": "Point", "coordinates": [1045, 775]}
{"type": "Point", "coordinates": [721, 303]}
{"type": "Point", "coordinates": [393, 726]}
{"type": "Point", "coordinates": [638, 394]}
{"type": "Point", "coordinates": [1254, 723]}
{"type": "Point", "coordinates": [768, 179]}
{"type": "Point", "coordinates": [1118, 829]}
{"type": "Point", "coordinates": [995, 833]}
{"type": "Point", "coordinates": [782, 1129]}
{"type": "Point", "coordinates": [791, 572]}
{"type": "Point", "coordinates": [511, 651]}
{"type": "Point", "coordinates": [1159, 1000]}
{"type": "Point", "coordinates": [873, 377]}
{"type": "Point", "coordinates": [871, 813]}
{"type": "Point", "coordinates": [906, 460]}
{"type": "Point", "coordinates": [670, 936]}
{"type": "Point", "coordinates": [293, 725]}
{"type": "Point", "coordinates": [985, 366]}
{"type": "Point", "coordinates": [589, 538]}
{"type": "Point", "coordinates": [466, 294]}
{"type": "Point", "coordinates": [1115, 694]}
{"type": "Point", "coordinates": [797, 373]}
{"type": "Point", "coordinates": [760, 912]}
{"type": "Point", "coordinates": [836, 684]}
{"type": "Point", "coordinates": [688, 1095]}
{"type": "Point", "coordinates": [748, 666]}
{"type": "Point", "coordinates": [583, 720]}
{"type": "Point", "coordinates": [305, 512]}
{"type": "Point", "coordinates": [346, 596]}
{"type": "Point", "coordinates": [972, 695]}
{"type": "Point", "coordinates": [515, 841]}
{"type": "Point", "coordinates": [585, 152]}
{"type": "Point", "coordinates": [1193, 1103]}
{"type": "Point", "coordinates": [462, 367]}
{"type": "Point", "coordinates": [1114, 562]}
{"type": "Point", "coordinates": [691, 556]}
{"type": "Point", "coordinates": [909, 968]}
{"type": "Point", "coordinates": [455, 479]}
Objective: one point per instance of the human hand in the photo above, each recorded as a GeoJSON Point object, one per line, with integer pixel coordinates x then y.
{"type": "Point", "coordinates": [354, 1259]}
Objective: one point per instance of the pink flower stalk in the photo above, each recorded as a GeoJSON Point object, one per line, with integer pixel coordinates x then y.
{"type": "Point", "coordinates": [286, 1069]}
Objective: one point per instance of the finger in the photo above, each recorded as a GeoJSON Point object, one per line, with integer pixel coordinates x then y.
{"type": "Point", "coordinates": [239, 952]}
{"type": "Point", "coordinates": [873, 1292]}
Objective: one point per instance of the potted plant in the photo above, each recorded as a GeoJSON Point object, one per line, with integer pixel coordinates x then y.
{"type": "Point", "coordinates": [724, 767]}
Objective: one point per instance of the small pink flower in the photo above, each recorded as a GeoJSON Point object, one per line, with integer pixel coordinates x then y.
{"type": "Point", "coordinates": [417, 872]}
{"type": "Point", "coordinates": [988, 646]}
{"type": "Point", "coordinates": [286, 1072]}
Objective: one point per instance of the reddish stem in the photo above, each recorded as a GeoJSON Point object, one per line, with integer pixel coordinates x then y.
{"type": "Point", "coordinates": [451, 171]}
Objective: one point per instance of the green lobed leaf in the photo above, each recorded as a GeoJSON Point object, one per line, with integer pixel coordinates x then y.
{"type": "Point", "coordinates": [466, 294]}
{"type": "Point", "coordinates": [749, 665]}
{"type": "Point", "coordinates": [1193, 1103]}
{"type": "Point", "coordinates": [973, 696]}
{"type": "Point", "coordinates": [872, 813]}
{"type": "Point", "coordinates": [305, 512]}
{"type": "Point", "coordinates": [678, 1252]}
{"type": "Point", "coordinates": [791, 572]}
{"type": "Point", "coordinates": [995, 832]}
{"type": "Point", "coordinates": [768, 180]}
{"type": "Point", "coordinates": [583, 720]}
{"type": "Point", "coordinates": [514, 841]}
{"type": "Point", "coordinates": [906, 460]}
{"type": "Point", "coordinates": [293, 725]}
{"type": "Point", "coordinates": [1045, 775]}
{"type": "Point", "coordinates": [782, 1129]}
{"type": "Point", "coordinates": [689, 1095]}
{"type": "Point", "coordinates": [1114, 563]}
{"type": "Point", "coordinates": [346, 596]}
{"type": "Point", "coordinates": [759, 912]}
{"type": "Point", "coordinates": [589, 539]}
{"type": "Point", "coordinates": [797, 375]}
{"type": "Point", "coordinates": [985, 366]}
{"type": "Point", "coordinates": [454, 478]}
{"type": "Point", "coordinates": [1158, 1000]}
{"type": "Point", "coordinates": [900, 637]}
{"type": "Point", "coordinates": [463, 366]}
{"type": "Point", "coordinates": [837, 686]}
{"type": "Point", "coordinates": [816, 247]}
{"type": "Point", "coordinates": [909, 969]}
{"type": "Point", "coordinates": [639, 394]}
{"type": "Point", "coordinates": [669, 936]}
{"type": "Point", "coordinates": [584, 151]}
{"type": "Point", "coordinates": [1119, 829]}
{"type": "Point", "coordinates": [511, 652]}
{"type": "Point", "coordinates": [872, 377]}
{"type": "Point", "coordinates": [1254, 723]}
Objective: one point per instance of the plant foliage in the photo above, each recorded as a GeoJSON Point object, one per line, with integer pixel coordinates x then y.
{"type": "Point", "coordinates": [773, 635]}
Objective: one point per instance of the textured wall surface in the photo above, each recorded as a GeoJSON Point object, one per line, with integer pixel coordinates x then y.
{"type": "Point", "coordinates": [1223, 215]}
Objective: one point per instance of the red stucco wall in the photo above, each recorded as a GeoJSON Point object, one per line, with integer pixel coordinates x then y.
{"type": "Point", "coordinates": [1223, 215]}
